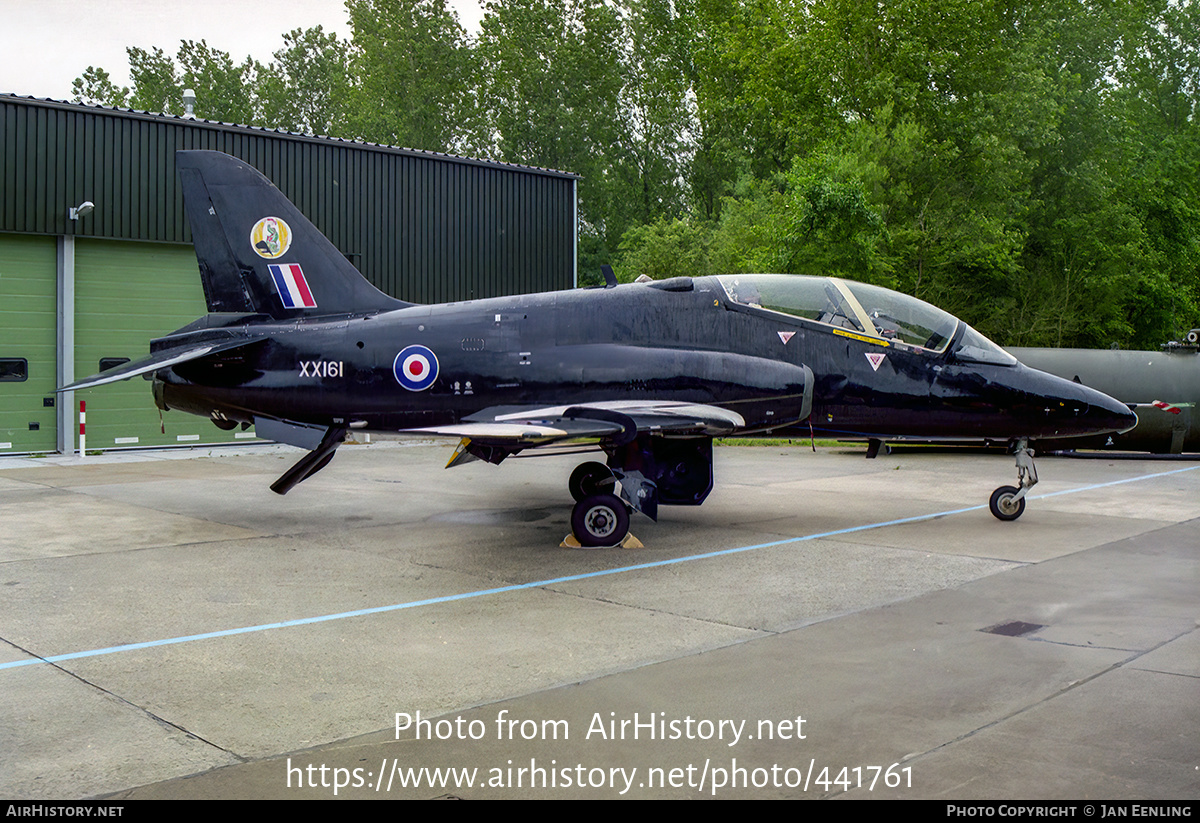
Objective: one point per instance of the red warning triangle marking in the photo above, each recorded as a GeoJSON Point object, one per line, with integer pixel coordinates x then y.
{"type": "Point", "coordinates": [785, 336]}
{"type": "Point", "coordinates": [875, 358]}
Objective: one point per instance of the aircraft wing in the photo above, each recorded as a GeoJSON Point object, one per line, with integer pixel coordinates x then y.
{"type": "Point", "coordinates": [533, 426]}
{"type": "Point", "coordinates": [163, 359]}
{"type": "Point", "coordinates": [495, 433]}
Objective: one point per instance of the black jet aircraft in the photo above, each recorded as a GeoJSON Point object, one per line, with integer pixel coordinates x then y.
{"type": "Point", "coordinates": [300, 345]}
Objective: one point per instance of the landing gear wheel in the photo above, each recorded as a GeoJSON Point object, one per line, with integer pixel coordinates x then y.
{"type": "Point", "coordinates": [1003, 505]}
{"type": "Point", "coordinates": [590, 479]}
{"type": "Point", "coordinates": [600, 520]}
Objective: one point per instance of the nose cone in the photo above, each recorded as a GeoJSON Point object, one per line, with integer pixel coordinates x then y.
{"type": "Point", "coordinates": [1069, 409]}
{"type": "Point", "coordinates": [1109, 415]}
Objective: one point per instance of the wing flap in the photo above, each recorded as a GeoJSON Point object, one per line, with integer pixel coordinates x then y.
{"type": "Point", "coordinates": [650, 416]}
{"type": "Point", "coordinates": [582, 421]}
{"type": "Point", "coordinates": [532, 432]}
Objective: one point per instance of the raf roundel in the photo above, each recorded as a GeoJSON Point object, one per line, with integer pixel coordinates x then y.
{"type": "Point", "coordinates": [416, 367]}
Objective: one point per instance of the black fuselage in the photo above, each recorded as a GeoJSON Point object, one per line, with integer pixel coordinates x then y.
{"type": "Point", "coordinates": [677, 341]}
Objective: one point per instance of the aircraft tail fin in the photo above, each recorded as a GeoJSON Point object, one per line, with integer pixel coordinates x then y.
{"type": "Point", "coordinates": [256, 251]}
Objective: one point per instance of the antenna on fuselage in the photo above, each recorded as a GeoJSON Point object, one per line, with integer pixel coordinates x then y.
{"type": "Point", "coordinates": [610, 279]}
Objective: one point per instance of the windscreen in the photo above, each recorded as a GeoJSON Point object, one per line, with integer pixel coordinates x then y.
{"type": "Point", "coordinates": [975, 348]}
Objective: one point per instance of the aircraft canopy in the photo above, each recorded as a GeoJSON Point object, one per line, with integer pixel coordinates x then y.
{"type": "Point", "coordinates": [871, 311]}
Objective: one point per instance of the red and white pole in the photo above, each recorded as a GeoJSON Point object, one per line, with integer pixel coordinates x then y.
{"type": "Point", "coordinates": [82, 427]}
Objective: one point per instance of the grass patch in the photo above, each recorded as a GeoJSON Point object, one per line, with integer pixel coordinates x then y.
{"type": "Point", "coordinates": [778, 441]}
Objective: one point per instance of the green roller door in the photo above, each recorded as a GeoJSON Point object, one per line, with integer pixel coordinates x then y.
{"type": "Point", "coordinates": [27, 330]}
{"type": "Point", "coordinates": [125, 295]}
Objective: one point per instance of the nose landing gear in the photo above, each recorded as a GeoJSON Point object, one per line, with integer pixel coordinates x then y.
{"type": "Point", "coordinates": [1008, 502]}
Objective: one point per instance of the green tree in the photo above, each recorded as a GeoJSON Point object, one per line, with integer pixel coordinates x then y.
{"type": "Point", "coordinates": [758, 94]}
{"type": "Point", "coordinates": [996, 144]}
{"type": "Point", "coordinates": [308, 86]}
{"type": "Point", "coordinates": [1154, 109]}
{"type": "Point", "coordinates": [412, 66]}
{"type": "Point", "coordinates": [549, 95]}
{"type": "Point", "coordinates": [95, 87]}
{"type": "Point", "coordinates": [224, 90]}
{"type": "Point", "coordinates": [665, 248]}
{"type": "Point", "coordinates": [653, 145]}
{"type": "Point", "coordinates": [155, 81]}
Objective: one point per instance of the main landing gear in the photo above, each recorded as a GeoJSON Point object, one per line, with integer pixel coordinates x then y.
{"type": "Point", "coordinates": [1008, 502]}
{"type": "Point", "coordinates": [599, 518]}
{"type": "Point", "coordinates": [590, 479]}
{"type": "Point", "coordinates": [641, 474]}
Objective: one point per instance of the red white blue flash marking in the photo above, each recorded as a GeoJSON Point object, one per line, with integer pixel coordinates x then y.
{"type": "Point", "coordinates": [291, 285]}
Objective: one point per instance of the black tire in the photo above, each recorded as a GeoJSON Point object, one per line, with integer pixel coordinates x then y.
{"type": "Point", "coordinates": [600, 520]}
{"type": "Point", "coordinates": [1003, 506]}
{"type": "Point", "coordinates": [590, 479]}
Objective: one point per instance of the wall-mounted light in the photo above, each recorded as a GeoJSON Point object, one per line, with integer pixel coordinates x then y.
{"type": "Point", "coordinates": [82, 210]}
{"type": "Point", "coordinates": [189, 104]}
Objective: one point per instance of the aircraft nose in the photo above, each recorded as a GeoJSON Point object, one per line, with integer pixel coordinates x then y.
{"type": "Point", "coordinates": [1107, 414]}
{"type": "Point", "coordinates": [1070, 409]}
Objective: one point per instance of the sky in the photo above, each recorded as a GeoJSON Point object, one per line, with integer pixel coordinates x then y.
{"type": "Point", "coordinates": [46, 44]}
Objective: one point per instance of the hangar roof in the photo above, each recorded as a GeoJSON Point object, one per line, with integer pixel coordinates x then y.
{"type": "Point", "coordinates": [363, 144]}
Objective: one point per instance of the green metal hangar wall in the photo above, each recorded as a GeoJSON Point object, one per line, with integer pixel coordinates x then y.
{"type": "Point", "coordinates": [81, 291]}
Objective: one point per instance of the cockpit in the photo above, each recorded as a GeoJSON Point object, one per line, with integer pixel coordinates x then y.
{"type": "Point", "coordinates": [864, 310]}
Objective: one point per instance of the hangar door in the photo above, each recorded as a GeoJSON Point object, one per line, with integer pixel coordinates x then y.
{"type": "Point", "coordinates": [27, 341]}
{"type": "Point", "coordinates": [125, 294]}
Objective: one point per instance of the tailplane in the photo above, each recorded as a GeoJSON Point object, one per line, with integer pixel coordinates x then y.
{"type": "Point", "coordinates": [257, 253]}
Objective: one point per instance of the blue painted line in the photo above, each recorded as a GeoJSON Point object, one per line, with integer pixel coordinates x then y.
{"type": "Point", "coordinates": [450, 598]}
{"type": "Point", "coordinates": [1115, 482]}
